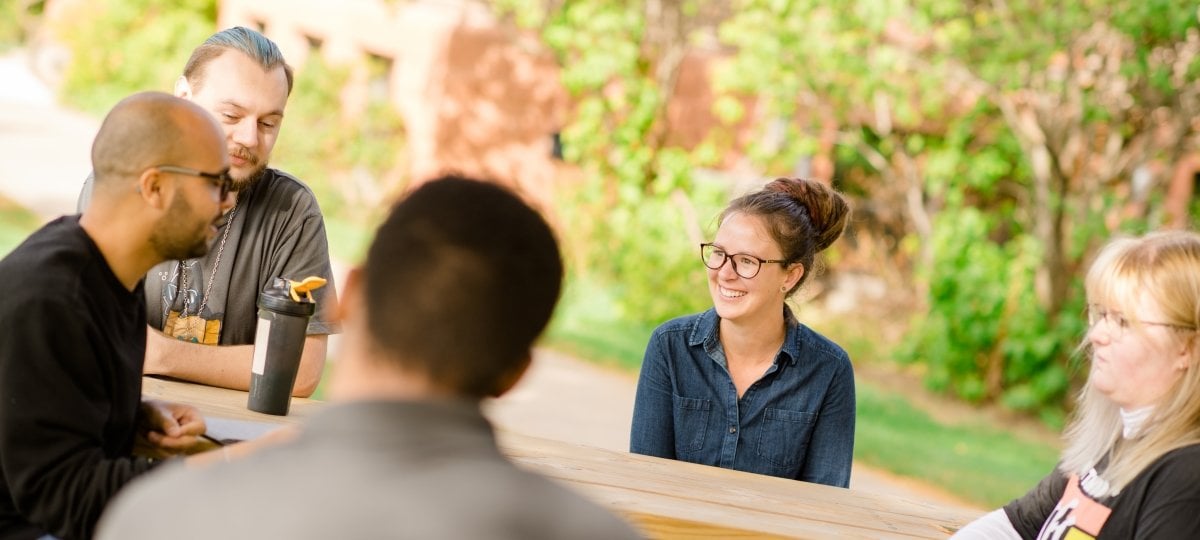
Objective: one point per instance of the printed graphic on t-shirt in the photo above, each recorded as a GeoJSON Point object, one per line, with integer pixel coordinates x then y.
{"type": "Point", "coordinates": [192, 328]}
{"type": "Point", "coordinates": [171, 287]}
{"type": "Point", "coordinates": [1077, 515]}
{"type": "Point", "coordinates": [199, 325]}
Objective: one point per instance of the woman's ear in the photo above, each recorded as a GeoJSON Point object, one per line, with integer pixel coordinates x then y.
{"type": "Point", "coordinates": [1184, 359]}
{"type": "Point", "coordinates": [794, 273]}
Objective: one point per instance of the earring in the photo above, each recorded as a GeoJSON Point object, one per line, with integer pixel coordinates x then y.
{"type": "Point", "coordinates": [783, 288]}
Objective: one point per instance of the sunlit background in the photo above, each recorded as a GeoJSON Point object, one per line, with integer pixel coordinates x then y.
{"type": "Point", "coordinates": [988, 148]}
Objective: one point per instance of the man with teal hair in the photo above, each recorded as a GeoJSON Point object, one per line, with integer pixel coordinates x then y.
{"type": "Point", "coordinates": [202, 311]}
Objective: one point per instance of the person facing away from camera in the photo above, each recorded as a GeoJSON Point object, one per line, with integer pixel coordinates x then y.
{"type": "Point", "coordinates": [1131, 463]}
{"type": "Point", "coordinates": [202, 311]}
{"type": "Point", "coordinates": [745, 385]}
{"type": "Point", "coordinates": [459, 281]}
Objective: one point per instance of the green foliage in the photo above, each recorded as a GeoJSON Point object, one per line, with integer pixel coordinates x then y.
{"type": "Point", "coordinates": [313, 115]}
{"type": "Point", "coordinates": [959, 100]}
{"type": "Point", "coordinates": [636, 218]}
{"type": "Point", "coordinates": [640, 248]}
{"type": "Point", "coordinates": [1027, 51]}
{"type": "Point", "coordinates": [122, 46]}
{"type": "Point", "coordinates": [17, 20]}
{"type": "Point", "coordinates": [985, 336]}
{"type": "Point", "coordinates": [343, 156]}
{"type": "Point", "coordinates": [332, 149]}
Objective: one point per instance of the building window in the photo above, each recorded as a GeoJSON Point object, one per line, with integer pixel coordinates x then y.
{"type": "Point", "coordinates": [556, 146]}
{"type": "Point", "coordinates": [314, 43]}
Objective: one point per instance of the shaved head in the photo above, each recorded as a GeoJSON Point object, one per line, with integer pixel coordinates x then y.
{"type": "Point", "coordinates": [149, 129]}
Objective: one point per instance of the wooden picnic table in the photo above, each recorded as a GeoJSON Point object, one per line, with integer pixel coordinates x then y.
{"type": "Point", "coordinates": [663, 498]}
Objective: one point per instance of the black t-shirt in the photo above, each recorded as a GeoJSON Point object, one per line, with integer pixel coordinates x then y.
{"type": "Point", "coordinates": [72, 343]}
{"type": "Point", "coordinates": [1161, 502]}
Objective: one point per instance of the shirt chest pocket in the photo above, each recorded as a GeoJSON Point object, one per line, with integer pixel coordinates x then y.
{"type": "Point", "coordinates": [784, 435]}
{"type": "Point", "coordinates": [691, 423]}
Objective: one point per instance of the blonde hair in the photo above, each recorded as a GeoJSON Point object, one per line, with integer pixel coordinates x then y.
{"type": "Point", "coordinates": [1166, 267]}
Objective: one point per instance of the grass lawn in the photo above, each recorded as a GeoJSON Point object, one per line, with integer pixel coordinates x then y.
{"type": "Point", "coordinates": [980, 463]}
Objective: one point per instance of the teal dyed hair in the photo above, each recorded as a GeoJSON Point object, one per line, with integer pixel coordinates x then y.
{"type": "Point", "coordinates": [241, 39]}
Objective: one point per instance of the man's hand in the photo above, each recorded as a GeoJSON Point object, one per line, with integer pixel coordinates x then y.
{"type": "Point", "coordinates": [172, 427]}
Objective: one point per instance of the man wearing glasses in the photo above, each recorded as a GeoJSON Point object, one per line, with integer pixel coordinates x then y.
{"type": "Point", "coordinates": [73, 320]}
{"type": "Point", "coordinates": [274, 229]}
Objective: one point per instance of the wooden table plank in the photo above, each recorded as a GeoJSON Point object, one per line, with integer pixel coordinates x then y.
{"type": "Point", "coordinates": [690, 493]}
{"type": "Point", "coordinates": [223, 402]}
{"type": "Point", "coordinates": [664, 498]}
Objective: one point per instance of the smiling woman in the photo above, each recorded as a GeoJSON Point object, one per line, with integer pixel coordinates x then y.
{"type": "Point", "coordinates": [745, 385]}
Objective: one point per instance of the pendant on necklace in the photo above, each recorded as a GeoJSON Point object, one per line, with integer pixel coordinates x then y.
{"type": "Point", "coordinates": [189, 328]}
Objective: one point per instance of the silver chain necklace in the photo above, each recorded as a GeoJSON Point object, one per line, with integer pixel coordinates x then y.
{"type": "Point", "coordinates": [212, 274]}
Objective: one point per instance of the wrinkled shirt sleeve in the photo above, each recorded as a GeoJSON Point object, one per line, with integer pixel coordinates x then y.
{"type": "Point", "coordinates": [1028, 513]}
{"type": "Point", "coordinates": [653, 431]}
{"type": "Point", "coordinates": [831, 453]}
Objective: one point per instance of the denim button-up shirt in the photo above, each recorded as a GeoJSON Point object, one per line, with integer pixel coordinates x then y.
{"type": "Point", "coordinates": [796, 421]}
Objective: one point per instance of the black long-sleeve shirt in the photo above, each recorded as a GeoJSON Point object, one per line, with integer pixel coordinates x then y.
{"type": "Point", "coordinates": [72, 344]}
{"type": "Point", "coordinates": [1160, 502]}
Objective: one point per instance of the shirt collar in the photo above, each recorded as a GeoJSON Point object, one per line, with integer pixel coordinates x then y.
{"type": "Point", "coordinates": [706, 333]}
{"type": "Point", "coordinates": [1133, 421]}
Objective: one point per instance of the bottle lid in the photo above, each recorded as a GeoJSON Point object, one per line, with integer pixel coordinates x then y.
{"type": "Point", "coordinates": [279, 299]}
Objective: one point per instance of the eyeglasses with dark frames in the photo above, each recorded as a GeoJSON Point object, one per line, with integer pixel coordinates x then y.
{"type": "Point", "coordinates": [1118, 323]}
{"type": "Point", "coordinates": [222, 180]}
{"type": "Point", "coordinates": [744, 264]}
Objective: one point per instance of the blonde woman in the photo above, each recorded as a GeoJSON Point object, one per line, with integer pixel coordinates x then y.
{"type": "Point", "coordinates": [1131, 466]}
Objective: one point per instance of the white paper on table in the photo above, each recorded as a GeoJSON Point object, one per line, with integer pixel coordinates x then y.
{"type": "Point", "coordinates": [228, 430]}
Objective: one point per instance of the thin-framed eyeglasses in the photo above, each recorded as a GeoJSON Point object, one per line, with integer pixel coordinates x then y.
{"type": "Point", "coordinates": [744, 264]}
{"type": "Point", "coordinates": [1118, 323]}
{"type": "Point", "coordinates": [222, 180]}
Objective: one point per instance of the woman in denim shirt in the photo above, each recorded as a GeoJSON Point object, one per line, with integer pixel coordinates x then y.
{"type": "Point", "coordinates": [744, 385]}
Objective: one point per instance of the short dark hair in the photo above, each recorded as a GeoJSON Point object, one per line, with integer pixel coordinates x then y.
{"type": "Point", "coordinates": [461, 279]}
{"type": "Point", "coordinates": [239, 38]}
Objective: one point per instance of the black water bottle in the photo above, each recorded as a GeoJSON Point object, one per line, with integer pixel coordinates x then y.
{"type": "Point", "coordinates": [278, 344]}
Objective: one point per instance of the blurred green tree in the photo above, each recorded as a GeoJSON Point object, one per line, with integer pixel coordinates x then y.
{"type": "Point", "coordinates": [18, 20]}
{"type": "Point", "coordinates": [121, 46]}
{"type": "Point", "coordinates": [636, 219]}
{"type": "Point", "coordinates": [1014, 135]}
{"type": "Point", "coordinates": [350, 159]}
